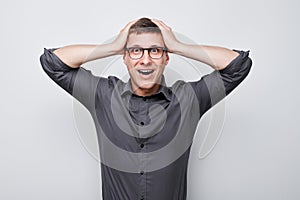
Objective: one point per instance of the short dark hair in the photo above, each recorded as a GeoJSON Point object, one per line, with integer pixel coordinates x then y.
{"type": "Point", "coordinates": [144, 25]}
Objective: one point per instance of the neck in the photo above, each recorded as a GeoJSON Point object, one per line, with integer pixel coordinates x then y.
{"type": "Point", "coordinates": [139, 91]}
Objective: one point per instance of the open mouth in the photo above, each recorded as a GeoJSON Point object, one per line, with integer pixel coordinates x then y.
{"type": "Point", "coordinates": [145, 71]}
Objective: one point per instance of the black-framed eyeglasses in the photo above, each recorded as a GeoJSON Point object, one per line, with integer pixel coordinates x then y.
{"type": "Point", "coordinates": [136, 53]}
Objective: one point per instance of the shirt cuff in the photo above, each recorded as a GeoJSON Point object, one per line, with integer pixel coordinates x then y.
{"type": "Point", "coordinates": [57, 63]}
{"type": "Point", "coordinates": [236, 63]}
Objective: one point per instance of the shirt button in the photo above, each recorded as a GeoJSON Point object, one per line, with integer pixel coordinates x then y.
{"type": "Point", "coordinates": [142, 145]}
{"type": "Point", "coordinates": [144, 98]}
{"type": "Point", "coordinates": [142, 172]}
{"type": "Point", "coordinates": [142, 123]}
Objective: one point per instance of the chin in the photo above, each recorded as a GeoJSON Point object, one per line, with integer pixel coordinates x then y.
{"type": "Point", "coordinates": [147, 86]}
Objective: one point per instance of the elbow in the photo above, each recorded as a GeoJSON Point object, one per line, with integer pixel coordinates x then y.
{"type": "Point", "coordinates": [248, 65]}
{"type": "Point", "coordinates": [43, 62]}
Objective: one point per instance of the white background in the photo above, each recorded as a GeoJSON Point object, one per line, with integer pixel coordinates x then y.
{"type": "Point", "coordinates": [257, 156]}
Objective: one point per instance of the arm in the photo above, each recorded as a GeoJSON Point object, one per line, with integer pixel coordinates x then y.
{"type": "Point", "coordinates": [216, 57]}
{"type": "Point", "coordinates": [231, 67]}
{"type": "Point", "coordinates": [63, 66]}
{"type": "Point", "coordinates": [76, 55]}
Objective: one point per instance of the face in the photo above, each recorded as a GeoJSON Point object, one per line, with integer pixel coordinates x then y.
{"type": "Point", "coordinates": [146, 72]}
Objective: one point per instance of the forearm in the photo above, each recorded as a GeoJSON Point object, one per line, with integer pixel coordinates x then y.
{"type": "Point", "coordinates": [216, 57]}
{"type": "Point", "coordinates": [76, 55]}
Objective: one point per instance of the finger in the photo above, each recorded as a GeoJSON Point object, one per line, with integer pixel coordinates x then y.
{"type": "Point", "coordinates": [157, 22]}
{"type": "Point", "coordinates": [128, 25]}
{"type": "Point", "coordinates": [160, 24]}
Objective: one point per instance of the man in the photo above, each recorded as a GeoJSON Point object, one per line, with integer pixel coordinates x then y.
{"type": "Point", "coordinates": [145, 129]}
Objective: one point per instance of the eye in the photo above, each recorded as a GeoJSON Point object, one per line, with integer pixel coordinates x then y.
{"type": "Point", "coordinates": [155, 50]}
{"type": "Point", "coordinates": [136, 50]}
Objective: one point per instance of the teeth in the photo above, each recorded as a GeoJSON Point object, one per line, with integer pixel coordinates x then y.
{"type": "Point", "coordinates": [145, 71]}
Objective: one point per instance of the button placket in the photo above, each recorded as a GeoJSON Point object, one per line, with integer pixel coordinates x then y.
{"type": "Point", "coordinates": [142, 120]}
{"type": "Point", "coordinates": [142, 173]}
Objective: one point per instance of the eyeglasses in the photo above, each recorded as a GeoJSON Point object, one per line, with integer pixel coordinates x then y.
{"type": "Point", "coordinates": [136, 53]}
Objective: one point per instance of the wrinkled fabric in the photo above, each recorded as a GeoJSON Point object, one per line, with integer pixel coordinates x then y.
{"type": "Point", "coordinates": [113, 105]}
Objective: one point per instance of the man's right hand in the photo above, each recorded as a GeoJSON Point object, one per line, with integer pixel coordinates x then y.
{"type": "Point", "coordinates": [119, 43]}
{"type": "Point", "coordinates": [76, 55]}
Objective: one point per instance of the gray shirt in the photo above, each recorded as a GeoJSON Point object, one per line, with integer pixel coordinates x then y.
{"type": "Point", "coordinates": [144, 142]}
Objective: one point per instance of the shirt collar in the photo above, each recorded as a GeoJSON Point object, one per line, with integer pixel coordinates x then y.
{"type": "Point", "coordinates": [163, 89]}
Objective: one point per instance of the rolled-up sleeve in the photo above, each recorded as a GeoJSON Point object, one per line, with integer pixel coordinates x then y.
{"type": "Point", "coordinates": [58, 71]}
{"type": "Point", "coordinates": [236, 71]}
{"type": "Point", "coordinates": [78, 82]}
{"type": "Point", "coordinates": [212, 88]}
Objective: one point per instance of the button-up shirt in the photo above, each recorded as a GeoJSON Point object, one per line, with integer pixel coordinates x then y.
{"type": "Point", "coordinates": [144, 142]}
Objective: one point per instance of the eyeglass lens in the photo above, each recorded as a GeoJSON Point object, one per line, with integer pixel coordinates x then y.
{"type": "Point", "coordinates": [137, 53]}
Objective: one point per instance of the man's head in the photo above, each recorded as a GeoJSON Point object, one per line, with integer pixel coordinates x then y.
{"type": "Point", "coordinates": [145, 56]}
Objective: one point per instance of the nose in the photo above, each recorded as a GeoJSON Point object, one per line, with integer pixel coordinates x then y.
{"type": "Point", "coordinates": [146, 59]}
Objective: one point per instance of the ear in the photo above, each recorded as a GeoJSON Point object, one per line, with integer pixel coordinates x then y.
{"type": "Point", "coordinates": [167, 58]}
{"type": "Point", "coordinates": [124, 58]}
